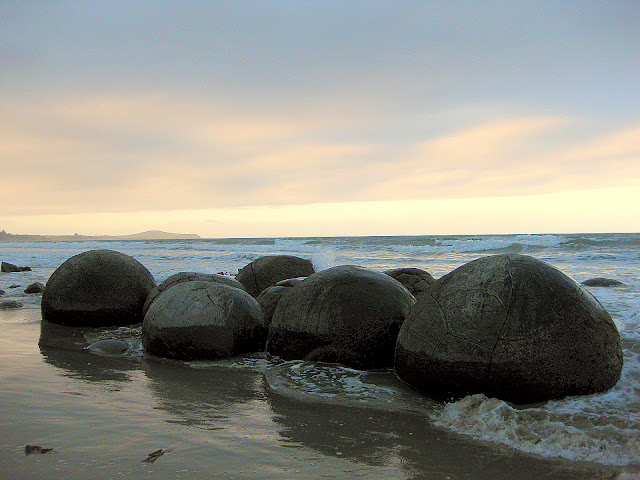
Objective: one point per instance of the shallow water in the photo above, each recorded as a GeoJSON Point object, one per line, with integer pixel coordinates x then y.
{"type": "Point", "coordinates": [245, 418]}
{"type": "Point", "coordinates": [260, 418]}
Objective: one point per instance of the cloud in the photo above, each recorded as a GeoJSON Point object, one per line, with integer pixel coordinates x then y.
{"type": "Point", "coordinates": [123, 152]}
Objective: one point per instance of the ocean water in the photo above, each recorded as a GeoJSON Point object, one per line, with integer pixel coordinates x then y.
{"type": "Point", "coordinates": [602, 428]}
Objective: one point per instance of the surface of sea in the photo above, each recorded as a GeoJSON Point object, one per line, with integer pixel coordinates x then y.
{"type": "Point", "coordinates": [602, 429]}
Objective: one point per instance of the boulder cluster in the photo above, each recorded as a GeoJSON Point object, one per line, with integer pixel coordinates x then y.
{"type": "Point", "coordinates": [509, 326]}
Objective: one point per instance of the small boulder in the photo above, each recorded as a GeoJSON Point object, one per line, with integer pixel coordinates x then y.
{"type": "Point", "coordinates": [181, 277]}
{"type": "Point", "coordinates": [345, 314]}
{"type": "Point", "coordinates": [1, 292]}
{"type": "Point", "coordinates": [109, 346]}
{"type": "Point", "coordinates": [511, 327]}
{"type": "Point", "coordinates": [602, 282]}
{"type": "Point", "coordinates": [198, 320]}
{"type": "Point", "coordinates": [415, 280]}
{"type": "Point", "coordinates": [269, 270]}
{"type": "Point", "coordinates": [36, 287]}
{"type": "Point", "coordinates": [97, 288]}
{"type": "Point", "coordinates": [10, 304]}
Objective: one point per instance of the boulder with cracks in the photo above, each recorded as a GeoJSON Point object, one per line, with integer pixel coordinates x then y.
{"type": "Point", "coordinates": [512, 327]}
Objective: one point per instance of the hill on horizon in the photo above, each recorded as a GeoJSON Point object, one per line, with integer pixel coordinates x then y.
{"type": "Point", "coordinates": [148, 235]}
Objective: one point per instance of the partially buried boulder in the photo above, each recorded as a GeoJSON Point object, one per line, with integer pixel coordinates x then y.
{"type": "Point", "coordinates": [10, 304]}
{"type": "Point", "coordinates": [415, 279]}
{"type": "Point", "coordinates": [512, 327]}
{"type": "Point", "coordinates": [345, 314]}
{"type": "Point", "coordinates": [269, 270]}
{"type": "Point", "coordinates": [97, 288]}
{"type": "Point", "coordinates": [203, 320]}
{"type": "Point", "coordinates": [181, 277]}
{"type": "Point", "coordinates": [109, 346]}
{"type": "Point", "coordinates": [36, 287]}
{"type": "Point", "coordinates": [602, 282]}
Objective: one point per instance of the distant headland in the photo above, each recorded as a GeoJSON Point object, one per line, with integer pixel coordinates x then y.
{"type": "Point", "coordinates": [148, 235]}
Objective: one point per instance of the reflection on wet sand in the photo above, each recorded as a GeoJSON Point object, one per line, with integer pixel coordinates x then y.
{"type": "Point", "coordinates": [201, 397]}
{"type": "Point", "coordinates": [212, 406]}
{"type": "Point", "coordinates": [65, 348]}
{"type": "Point", "coordinates": [410, 443]}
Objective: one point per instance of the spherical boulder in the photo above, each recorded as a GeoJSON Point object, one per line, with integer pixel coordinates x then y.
{"type": "Point", "coordinates": [180, 277]}
{"type": "Point", "coordinates": [97, 288]}
{"type": "Point", "coordinates": [345, 314]}
{"type": "Point", "coordinates": [512, 327]}
{"type": "Point", "coordinates": [198, 320]}
{"type": "Point", "coordinates": [415, 279]}
{"type": "Point", "coordinates": [269, 270]}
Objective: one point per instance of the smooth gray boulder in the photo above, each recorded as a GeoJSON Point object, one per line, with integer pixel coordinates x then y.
{"type": "Point", "coordinates": [267, 271]}
{"type": "Point", "coordinates": [602, 282]}
{"type": "Point", "coordinates": [415, 280]}
{"type": "Point", "coordinates": [36, 287]}
{"type": "Point", "coordinates": [345, 314]}
{"type": "Point", "coordinates": [199, 320]}
{"type": "Point", "coordinates": [97, 288]}
{"type": "Point", "coordinates": [180, 277]}
{"type": "Point", "coordinates": [511, 327]}
{"type": "Point", "coordinates": [290, 282]}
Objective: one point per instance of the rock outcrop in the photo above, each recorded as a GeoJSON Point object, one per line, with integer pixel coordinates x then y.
{"type": "Point", "coordinates": [11, 268]}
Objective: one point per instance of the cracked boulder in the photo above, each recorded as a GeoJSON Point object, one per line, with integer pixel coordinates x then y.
{"type": "Point", "coordinates": [181, 277]}
{"type": "Point", "coordinates": [511, 327]}
{"type": "Point", "coordinates": [203, 320]}
{"type": "Point", "coordinates": [269, 270]}
{"type": "Point", "coordinates": [345, 314]}
{"type": "Point", "coordinates": [97, 288]}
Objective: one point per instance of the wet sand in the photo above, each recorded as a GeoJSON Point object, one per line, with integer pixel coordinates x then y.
{"type": "Point", "coordinates": [103, 415]}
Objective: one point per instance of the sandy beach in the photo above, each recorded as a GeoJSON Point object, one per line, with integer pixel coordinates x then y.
{"type": "Point", "coordinates": [103, 415]}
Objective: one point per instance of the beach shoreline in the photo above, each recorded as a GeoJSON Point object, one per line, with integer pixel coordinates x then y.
{"type": "Point", "coordinates": [103, 415]}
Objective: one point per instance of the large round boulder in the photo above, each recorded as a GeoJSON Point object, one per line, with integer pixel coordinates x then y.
{"type": "Point", "coordinates": [345, 314]}
{"type": "Point", "coordinates": [180, 277]}
{"type": "Point", "coordinates": [415, 279]}
{"type": "Point", "coordinates": [203, 320]}
{"type": "Point", "coordinates": [266, 271]}
{"type": "Point", "coordinates": [512, 327]}
{"type": "Point", "coordinates": [97, 288]}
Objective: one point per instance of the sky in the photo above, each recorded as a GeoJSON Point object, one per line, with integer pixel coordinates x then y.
{"type": "Point", "coordinates": [303, 118]}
